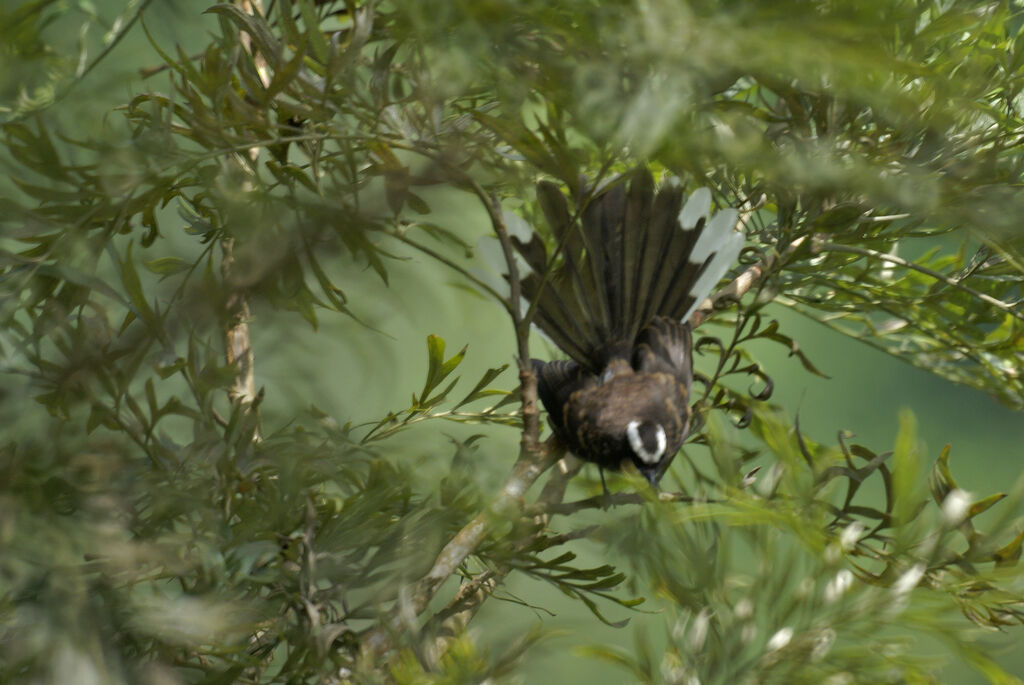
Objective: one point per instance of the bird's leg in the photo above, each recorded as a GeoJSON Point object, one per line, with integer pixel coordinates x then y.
{"type": "Point", "coordinates": [604, 489]}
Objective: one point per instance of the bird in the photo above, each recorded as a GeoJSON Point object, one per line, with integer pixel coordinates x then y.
{"type": "Point", "coordinates": [628, 267]}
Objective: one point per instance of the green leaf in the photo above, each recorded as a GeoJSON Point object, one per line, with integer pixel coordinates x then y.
{"type": "Point", "coordinates": [333, 294]}
{"type": "Point", "coordinates": [166, 266]}
{"type": "Point", "coordinates": [284, 76]}
{"type": "Point", "coordinates": [479, 390]}
{"type": "Point", "coordinates": [1010, 554]}
{"type": "Point", "coordinates": [438, 368]}
{"type": "Point", "coordinates": [839, 217]}
{"type": "Point", "coordinates": [906, 469]}
{"type": "Point", "coordinates": [984, 504]}
{"type": "Point", "coordinates": [416, 203]}
{"type": "Point", "coordinates": [529, 145]}
{"type": "Point", "coordinates": [304, 302]}
{"type": "Point", "coordinates": [396, 188]}
{"type": "Point", "coordinates": [151, 398]}
{"type": "Point", "coordinates": [316, 37]}
{"type": "Point", "coordinates": [286, 19]}
{"type": "Point", "coordinates": [263, 38]}
{"type": "Point", "coordinates": [941, 480]}
{"type": "Point", "coordinates": [167, 370]}
{"type": "Point", "coordinates": [100, 416]}
{"type": "Point", "coordinates": [133, 287]}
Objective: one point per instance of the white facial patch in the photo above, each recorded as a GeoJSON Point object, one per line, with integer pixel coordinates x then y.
{"type": "Point", "coordinates": [637, 443]}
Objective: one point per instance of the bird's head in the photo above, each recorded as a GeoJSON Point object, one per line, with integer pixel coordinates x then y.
{"type": "Point", "coordinates": [647, 441]}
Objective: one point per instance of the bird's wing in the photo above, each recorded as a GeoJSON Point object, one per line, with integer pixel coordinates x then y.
{"type": "Point", "coordinates": [556, 382]}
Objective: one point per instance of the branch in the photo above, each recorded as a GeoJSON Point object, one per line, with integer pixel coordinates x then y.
{"type": "Point", "coordinates": [237, 347]}
{"type": "Point", "coordinates": [742, 284]}
{"type": "Point", "coordinates": [237, 343]}
{"type": "Point", "coordinates": [533, 460]}
{"type": "Point", "coordinates": [893, 259]}
{"type": "Point", "coordinates": [508, 502]}
{"type": "Point", "coordinates": [530, 442]}
{"type": "Point", "coordinates": [606, 501]}
{"type": "Point", "coordinates": [565, 470]}
{"type": "Point", "coordinates": [454, 618]}
{"type": "Point", "coordinates": [460, 610]}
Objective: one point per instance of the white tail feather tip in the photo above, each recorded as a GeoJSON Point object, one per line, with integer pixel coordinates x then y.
{"type": "Point", "coordinates": [697, 206]}
{"type": "Point", "coordinates": [725, 255]}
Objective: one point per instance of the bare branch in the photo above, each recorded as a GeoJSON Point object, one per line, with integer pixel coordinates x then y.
{"type": "Point", "coordinates": [237, 347]}
{"type": "Point", "coordinates": [606, 501]}
{"type": "Point", "coordinates": [454, 618]}
{"type": "Point", "coordinates": [742, 284]}
{"type": "Point", "coordinates": [237, 342]}
{"type": "Point", "coordinates": [530, 443]}
{"type": "Point", "coordinates": [565, 470]}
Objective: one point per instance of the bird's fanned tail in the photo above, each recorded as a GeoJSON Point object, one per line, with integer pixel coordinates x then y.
{"type": "Point", "coordinates": [633, 254]}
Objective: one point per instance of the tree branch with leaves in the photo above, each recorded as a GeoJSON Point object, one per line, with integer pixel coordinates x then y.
{"type": "Point", "coordinates": [166, 529]}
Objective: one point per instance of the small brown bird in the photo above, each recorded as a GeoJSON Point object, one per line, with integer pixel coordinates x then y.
{"type": "Point", "coordinates": [628, 275]}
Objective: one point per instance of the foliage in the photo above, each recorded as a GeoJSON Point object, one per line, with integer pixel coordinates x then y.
{"type": "Point", "coordinates": [154, 526]}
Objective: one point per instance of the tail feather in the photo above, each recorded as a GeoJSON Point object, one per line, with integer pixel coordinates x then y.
{"type": "Point", "coordinates": [662, 242]}
{"type": "Point", "coordinates": [681, 292]}
{"type": "Point", "coordinates": [722, 245]}
{"type": "Point", "coordinates": [599, 230]}
{"type": "Point", "coordinates": [575, 286]}
{"type": "Point", "coordinates": [697, 207]}
{"type": "Point", "coordinates": [639, 212]}
{"type": "Point", "coordinates": [557, 318]}
{"type": "Point", "coordinates": [634, 254]}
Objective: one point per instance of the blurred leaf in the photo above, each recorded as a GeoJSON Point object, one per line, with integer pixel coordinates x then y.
{"type": "Point", "coordinates": [167, 265]}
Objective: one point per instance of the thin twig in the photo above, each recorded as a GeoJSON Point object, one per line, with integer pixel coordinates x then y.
{"type": "Point", "coordinates": [146, 72]}
{"type": "Point", "coordinates": [605, 501]}
{"type": "Point", "coordinates": [460, 610]}
{"type": "Point", "coordinates": [454, 618]}
{"type": "Point", "coordinates": [565, 470]}
{"type": "Point", "coordinates": [398, 235]}
{"type": "Point", "coordinates": [893, 259]}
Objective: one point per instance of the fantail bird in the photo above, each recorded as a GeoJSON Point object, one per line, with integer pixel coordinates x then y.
{"type": "Point", "coordinates": [630, 272]}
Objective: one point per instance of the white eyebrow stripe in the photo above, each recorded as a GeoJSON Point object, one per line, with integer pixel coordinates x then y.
{"type": "Point", "coordinates": [637, 444]}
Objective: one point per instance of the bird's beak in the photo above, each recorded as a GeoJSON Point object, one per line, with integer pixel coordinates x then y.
{"type": "Point", "coordinates": [650, 473]}
{"type": "Point", "coordinates": [652, 477]}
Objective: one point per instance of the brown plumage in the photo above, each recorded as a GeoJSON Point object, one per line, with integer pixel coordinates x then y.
{"type": "Point", "coordinates": [628, 275]}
